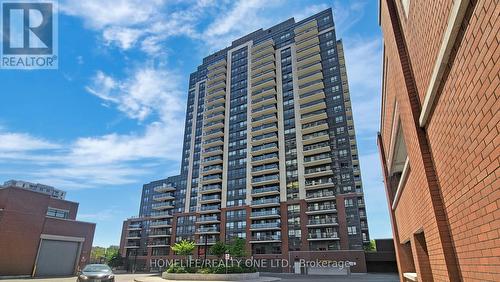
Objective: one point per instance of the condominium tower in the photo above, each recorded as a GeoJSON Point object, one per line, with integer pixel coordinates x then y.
{"type": "Point", "coordinates": [270, 151]}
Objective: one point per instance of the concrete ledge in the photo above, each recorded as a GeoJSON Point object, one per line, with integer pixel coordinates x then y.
{"type": "Point", "coordinates": [211, 277]}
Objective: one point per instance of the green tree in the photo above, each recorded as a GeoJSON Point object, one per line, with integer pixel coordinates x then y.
{"type": "Point", "coordinates": [115, 259]}
{"type": "Point", "coordinates": [183, 248]}
{"type": "Point", "coordinates": [237, 248]}
{"type": "Point", "coordinates": [219, 249]}
{"type": "Point", "coordinates": [371, 247]}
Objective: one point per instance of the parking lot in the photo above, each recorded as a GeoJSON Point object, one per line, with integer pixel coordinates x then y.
{"type": "Point", "coordinates": [118, 278]}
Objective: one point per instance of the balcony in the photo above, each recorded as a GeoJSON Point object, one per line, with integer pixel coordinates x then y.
{"type": "Point", "coordinates": [132, 246]}
{"type": "Point", "coordinates": [319, 184]}
{"type": "Point", "coordinates": [265, 214]}
{"type": "Point", "coordinates": [304, 34]}
{"type": "Point", "coordinates": [134, 227]}
{"type": "Point", "coordinates": [264, 149]}
{"type": "Point", "coordinates": [319, 209]}
{"type": "Point", "coordinates": [257, 63]}
{"type": "Point", "coordinates": [306, 44]}
{"type": "Point", "coordinates": [159, 234]}
{"type": "Point", "coordinates": [212, 151]}
{"type": "Point", "coordinates": [213, 125]}
{"type": "Point", "coordinates": [213, 142]}
{"type": "Point", "coordinates": [208, 230]}
{"type": "Point", "coordinates": [266, 202]}
{"type": "Point", "coordinates": [310, 59]}
{"type": "Point", "coordinates": [212, 169]}
{"type": "Point", "coordinates": [162, 206]}
{"type": "Point", "coordinates": [308, 47]}
{"type": "Point", "coordinates": [206, 189]}
{"type": "Point", "coordinates": [322, 222]}
{"type": "Point", "coordinates": [304, 27]}
{"type": "Point", "coordinates": [266, 179]}
{"type": "Point", "coordinates": [201, 242]}
{"type": "Point", "coordinates": [311, 86]}
{"type": "Point", "coordinates": [322, 236]}
{"type": "Point", "coordinates": [313, 127]}
{"type": "Point", "coordinates": [312, 106]}
{"type": "Point", "coordinates": [265, 239]}
{"type": "Point", "coordinates": [160, 224]}
{"type": "Point", "coordinates": [212, 160]}
{"type": "Point", "coordinates": [265, 128]}
{"type": "Point", "coordinates": [311, 96]}
{"type": "Point", "coordinates": [264, 138]}
{"type": "Point", "coordinates": [261, 45]}
{"type": "Point", "coordinates": [307, 68]}
{"type": "Point", "coordinates": [216, 64]}
{"type": "Point", "coordinates": [263, 119]}
{"type": "Point", "coordinates": [314, 116]}
{"type": "Point", "coordinates": [163, 197]}
{"type": "Point", "coordinates": [317, 160]}
{"type": "Point", "coordinates": [265, 169]}
{"type": "Point", "coordinates": [264, 83]}
{"type": "Point", "coordinates": [208, 219]}
{"type": "Point", "coordinates": [213, 178]}
{"type": "Point", "coordinates": [316, 137]}
{"type": "Point", "coordinates": [216, 71]}
{"type": "Point", "coordinates": [263, 75]}
{"type": "Point", "coordinates": [163, 214]}
{"type": "Point", "coordinates": [264, 110]}
{"type": "Point", "coordinates": [265, 226]}
{"type": "Point", "coordinates": [215, 78]}
{"type": "Point", "coordinates": [214, 109]}
{"type": "Point", "coordinates": [318, 171]}
{"type": "Point", "coordinates": [319, 148]}
{"type": "Point", "coordinates": [164, 188]}
{"type": "Point", "coordinates": [161, 243]}
{"type": "Point", "coordinates": [265, 191]}
{"type": "Point", "coordinates": [210, 199]}
{"type": "Point", "coordinates": [209, 209]}
{"type": "Point", "coordinates": [217, 116]}
{"type": "Point", "coordinates": [265, 159]}
{"type": "Point", "coordinates": [320, 196]}
{"type": "Point", "coordinates": [265, 100]}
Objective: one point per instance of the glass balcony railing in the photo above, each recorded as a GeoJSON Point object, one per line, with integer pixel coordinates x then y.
{"type": "Point", "coordinates": [210, 208]}
{"type": "Point", "coordinates": [265, 225]}
{"type": "Point", "coordinates": [266, 189]}
{"type": "Point", "coordinates": [208, 218]}
{"type": "Point", "coordinates": [266, 201]}
{"type": "Point", "coordinates": [321, 208]}
{"type": "Point", "coordinates": [264, 157]}
{"type": "Point", "coordinates": [266, 238]}
{"type": "Point", "coordinates": [208, 229]}
{"type": "Point", "coordinates": [211, 187]}
{"type": "Point", "coordinates": [159, 223]}
{"type": "Point", "coordinates": [265, 213]}
{"type": "Point", "coordinates": [265, 178]}
{"type": "Point", "coordinates": [323, 235]}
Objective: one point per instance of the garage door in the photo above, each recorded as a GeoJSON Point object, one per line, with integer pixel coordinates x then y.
{"type": "Point", "coordinates": [326, 271]}
{"type": "Point", "coordinates": [57, 258]}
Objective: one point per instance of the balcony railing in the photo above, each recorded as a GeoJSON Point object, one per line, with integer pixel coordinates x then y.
{"type": "Point", "coordinates": [266, 190]}
{"type": "Point", "coordinates": [325, 235]}
{"type": "Point", "coordinates": [158, 223]}
{"type": "Point", "coordinates": [265, 225]}
{"type": "Point", "coordinates": [266, 201]}
{"type": "Point", "coordinates": [208, 229]}
{"type": "Point", "coordinates": [265, 213]}
{"type": "Point", "coordinates": [321, 208]}
{"type": "Point", "coordinates": [208, 218]}
{"type": "Point", "coordinates": [209, 208]}
{"type": "Point", "coordinates": [266, 238]}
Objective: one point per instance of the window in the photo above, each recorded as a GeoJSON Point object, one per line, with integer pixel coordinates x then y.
{"type": "Point", "coordinates": [57, 213]}
{"type": "Point", "coordinates": [348, 202]}
{"type": "Point", "coordinates": [351, 230]}
{"type": "Point", "coordinates": [406, 6]}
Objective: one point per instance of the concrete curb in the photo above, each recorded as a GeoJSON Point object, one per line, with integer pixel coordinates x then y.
{"type": "Point", "coordinates": [158, 279]}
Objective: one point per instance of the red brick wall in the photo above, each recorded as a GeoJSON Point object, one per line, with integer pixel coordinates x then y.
{"type": "Point", "coordinates": [22, 222]}
{"type": "Point", "coordinates": [463, 133]}
{"type": "Point", "coordinates": [453, 185]}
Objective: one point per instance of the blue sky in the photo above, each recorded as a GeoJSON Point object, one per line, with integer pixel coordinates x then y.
{"type": "Point", "coordinates": [112, 116]}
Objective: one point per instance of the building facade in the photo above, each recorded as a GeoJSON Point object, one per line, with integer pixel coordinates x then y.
{"type": "Point", "coordinates": [40, 236]}
{"type": "Point", "coordinates": [270, 151]}
{"type": "Point", "coordinates": [438, 137]}
{"type": "Point", "coordinates": [37, 187]}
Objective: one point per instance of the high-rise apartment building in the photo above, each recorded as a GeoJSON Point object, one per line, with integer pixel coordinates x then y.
{"type": "Point", "coordinates": [438, 137]}
{"type": "Point", "coordinates": [37, 187]}
{"type": "Point", "coordinates": [270, 151]}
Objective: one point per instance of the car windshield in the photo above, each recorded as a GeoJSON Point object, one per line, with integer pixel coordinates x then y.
{"type": "Point", "coordinates": [96, 268]}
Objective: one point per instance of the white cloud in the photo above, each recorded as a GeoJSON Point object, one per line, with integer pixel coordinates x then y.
{"type": "Point", "coordinates": [16, 142]}
{"type": "Point", "coordinates": [145, 91]}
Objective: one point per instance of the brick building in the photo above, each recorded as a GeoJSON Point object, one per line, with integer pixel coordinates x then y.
{"type": "Point", "coordinates": [438, 140]}
{"type": "Point", "coordinates": [39, 235]}
{"type": "Point", "coordinates": [270, 154]}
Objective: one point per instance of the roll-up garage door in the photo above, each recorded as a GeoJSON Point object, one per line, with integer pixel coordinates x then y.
{"type": "Point", "coordinates": [57, 258]}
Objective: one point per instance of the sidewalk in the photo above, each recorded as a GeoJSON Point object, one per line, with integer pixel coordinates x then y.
{"type": "Point", "coordinates": [159, 279]}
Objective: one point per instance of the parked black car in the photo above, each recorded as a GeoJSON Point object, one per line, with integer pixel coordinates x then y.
{"type": "Point", "coordinates": [96, 273]}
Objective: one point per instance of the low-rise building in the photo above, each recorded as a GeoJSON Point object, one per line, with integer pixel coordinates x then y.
{"type": "Point", "coordinates": [40, 236]}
